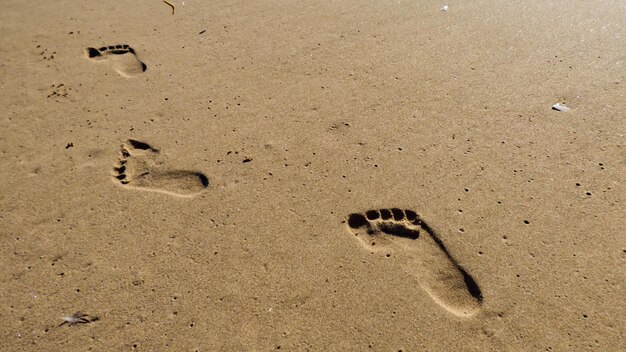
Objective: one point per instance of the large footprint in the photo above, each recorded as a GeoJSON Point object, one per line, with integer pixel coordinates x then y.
{"type": "Point", "coordinates": [139, 167]}
{"type": "Point", "coordinates": [122, 57]}
{"type": "Point", "coordinates": [404, 233]}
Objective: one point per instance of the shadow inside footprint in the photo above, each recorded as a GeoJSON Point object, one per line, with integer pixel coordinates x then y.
{"type": "Point", "coordinates": [138, 167]}
{"type": "Point", "coordinates": [403, 231]}
{"type": "Point", "coordinates": [123, 58]}
{"type": "Point", "coordinates": [141, 145]}
{"type": "Point", "coordinates": [399, 230]}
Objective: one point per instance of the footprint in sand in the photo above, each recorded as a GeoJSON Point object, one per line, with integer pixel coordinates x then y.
{"type": "Point", "coordinates": [139, 167]}
{"type": "Point", "coordinates": [405, 234]}
{"type": "Point", "coordinates": [122, 57]}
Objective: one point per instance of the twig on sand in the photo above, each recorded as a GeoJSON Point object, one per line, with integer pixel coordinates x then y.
{"type": "Point", "coordinates": [170, 5]}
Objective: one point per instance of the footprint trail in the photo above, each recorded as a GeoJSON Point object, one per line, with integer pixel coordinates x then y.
{"type": "Point", "coordinates": [140, 167]}
{"type": "Point", "coordinates": [405, 234]}
{"type": "Point", "coordinates": [122, 57]}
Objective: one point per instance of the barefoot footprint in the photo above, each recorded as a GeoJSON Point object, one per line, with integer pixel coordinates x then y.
{"type": "Point", "coordinates": [139, 167]}
{"type": "Point", "coordinates": [122, 57]}
{"type": "Point", "coordinates": [405, 234]}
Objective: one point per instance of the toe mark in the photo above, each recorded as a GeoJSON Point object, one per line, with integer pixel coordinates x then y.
{"type": "Point", "coordinates": [397, 214]}
{"type": "Point", "coordinates": [410, 215]}
{"type": "Point", "coordinates": [356, 221]}
{"type": "Point", "coordinates": [372, 214]}
{"type": "Point", "coordinates": [92, 52]}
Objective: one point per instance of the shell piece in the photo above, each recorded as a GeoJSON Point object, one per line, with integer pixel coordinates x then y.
{"type": "Point", "coordinates": [560, 107]}
{"type": "Point", "coordinates": [78, 318]}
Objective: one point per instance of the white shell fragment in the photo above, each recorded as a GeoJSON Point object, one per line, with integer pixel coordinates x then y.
{"type": "Point", "coordinates": [560, 107]}
{"type": "Point", "coordinates": [78, 318]}
{"type": "Point", "coordinates": [445, 8]}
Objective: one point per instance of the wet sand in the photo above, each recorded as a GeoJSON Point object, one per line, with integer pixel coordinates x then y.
{"type": "Point", "coordinates": [306, 176]}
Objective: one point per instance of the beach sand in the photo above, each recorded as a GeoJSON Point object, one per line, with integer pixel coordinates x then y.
{"type": "Point", "coordinates": [312, 176]}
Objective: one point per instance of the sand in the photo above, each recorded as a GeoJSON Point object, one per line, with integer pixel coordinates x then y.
{"type": "Point", "coordinates": [312, 176]}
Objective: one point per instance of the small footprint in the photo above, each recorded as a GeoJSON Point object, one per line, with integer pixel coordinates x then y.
{"type": "Point", "coordinates": [404, 234]}
{"type": "Point", "coordinates": [122, 57]}
{"type": "Point", "coordinates": [140, 167]}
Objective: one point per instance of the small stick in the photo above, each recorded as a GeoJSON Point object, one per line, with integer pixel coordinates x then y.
{"type": "Point", "coordinates": [170, 4]}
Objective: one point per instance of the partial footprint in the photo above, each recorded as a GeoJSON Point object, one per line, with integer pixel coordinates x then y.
{"type": "Point", "coordinates": [403, 233]}
{"type": "Point", "coordinates": [139, 167]}
{"type": "Point", "coordinates": [122, 57]}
